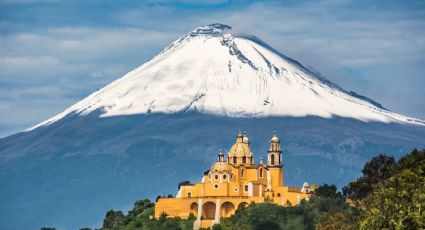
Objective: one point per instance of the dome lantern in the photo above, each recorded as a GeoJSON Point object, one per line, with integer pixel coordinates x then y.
{"type": "Point", "coordinates": [239, 137]}
{"type": "Point", "coordinates": [220, 156]}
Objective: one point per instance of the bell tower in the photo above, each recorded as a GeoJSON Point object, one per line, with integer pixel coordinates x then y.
{"type": "Point", "coordinates": [274, 156]}
{"type": "Point", "coordinates": [274, 164]}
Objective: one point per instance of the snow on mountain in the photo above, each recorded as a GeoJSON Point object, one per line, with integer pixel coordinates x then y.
{"type": "Point", "coordinates": [213, 71]}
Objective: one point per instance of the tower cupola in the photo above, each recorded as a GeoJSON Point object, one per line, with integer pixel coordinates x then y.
{"type": "Point", "coordinates": [274, 156]}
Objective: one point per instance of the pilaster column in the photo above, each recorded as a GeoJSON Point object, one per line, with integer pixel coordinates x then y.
{"type": "Point", "coordinates": [217, 212]}
{"type": "Point", "coordinates": [199, 209]}
{"type": "Point", "coordinates": [250, 189]}
{"type": "Point", "coordinates": [197, 223]}
{"type": "Point", "coordinates": [269, 181]}
{"type": "Point", "coordinates": [261, 190]}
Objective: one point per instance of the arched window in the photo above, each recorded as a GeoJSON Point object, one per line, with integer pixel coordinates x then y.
{"type": "Point", "coordinates": [261, 172]}
{"type": "Point", "coordinates": [189, 194]}
{"type": "Point", "coordinates": [235, 160]}
{"type": "Point", "coordinates": [242, 172]}
{"type": "Point", "coordinates": [244, 160]}
{"type": "Point", "coordinates": [272, 159]}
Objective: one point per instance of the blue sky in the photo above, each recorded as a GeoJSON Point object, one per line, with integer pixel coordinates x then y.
{"type": "Point", "coordinates": [54, 53]}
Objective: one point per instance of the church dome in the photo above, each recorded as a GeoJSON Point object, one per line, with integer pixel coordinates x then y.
{"type": "Point", "coordinates": [241, 147]}
{"type": "Point", "coordinates": [239, 150]}
{"type": "Point", "coordinates": [221, 167]}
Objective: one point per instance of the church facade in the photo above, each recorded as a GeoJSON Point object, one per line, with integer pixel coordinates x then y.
{"type": "Point", "coordinates": [233, 182]}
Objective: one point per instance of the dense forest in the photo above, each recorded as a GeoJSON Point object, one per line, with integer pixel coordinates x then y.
{"type": "Point", "coordinates": [389, 195]}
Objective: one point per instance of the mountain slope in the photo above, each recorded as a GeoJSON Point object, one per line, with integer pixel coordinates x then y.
{"type": "Point", "coordinates": [213, 71]}
{"type": "Point", "coordinates": [164, 122]}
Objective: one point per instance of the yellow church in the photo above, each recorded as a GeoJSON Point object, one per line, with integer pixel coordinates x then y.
{"type": "Point", "coordinates": [234, 182]}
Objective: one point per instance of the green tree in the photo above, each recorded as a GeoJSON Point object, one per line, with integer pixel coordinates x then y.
{"type": "Point", "coordinates": [377, 170]}
{"type": "Point", "coordinates": [399, 202]}
{"type": "Point", "coordinates": [186, 182]}
{"type": "Point", "coordinates": [163, 217]}
{"type": "Point", "coordinates": [329, 191]}
{"type": "Point", "coordinates": [114, 220]}
{"type": "Point", "coordinates": [140, 206]}
{"type": "Point", "coordinates": [216, 227]}
{"type": "Point", "coordinates": [331, 221]}
{"type": "Point", "coordinates": [318, 211]}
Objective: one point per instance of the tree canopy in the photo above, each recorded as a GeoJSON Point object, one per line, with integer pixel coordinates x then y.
{"type": "Point", "coordinates": [399, 201]}
{"type": "Point", "coordinates": [374, 172]}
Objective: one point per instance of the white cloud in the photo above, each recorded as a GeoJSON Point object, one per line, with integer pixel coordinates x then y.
{"type": "Point", "coordinates": [43, 72]}
{"type": "Point", "coordinates": [27, 62]}
{"type": "Point", "coordinates": [76, 52]}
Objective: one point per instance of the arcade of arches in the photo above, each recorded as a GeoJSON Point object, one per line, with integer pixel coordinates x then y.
{"type": "Point", "coordinates": [209, 209]}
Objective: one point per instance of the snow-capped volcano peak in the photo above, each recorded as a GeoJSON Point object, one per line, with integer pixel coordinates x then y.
{"type": "Point", "coordinates": [211, 29]}
{"type": "Point", "coordinates": [213, 71]}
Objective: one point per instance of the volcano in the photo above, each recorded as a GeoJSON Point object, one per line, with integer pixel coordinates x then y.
{"type": "Point", "coordinates": [164, 121]}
